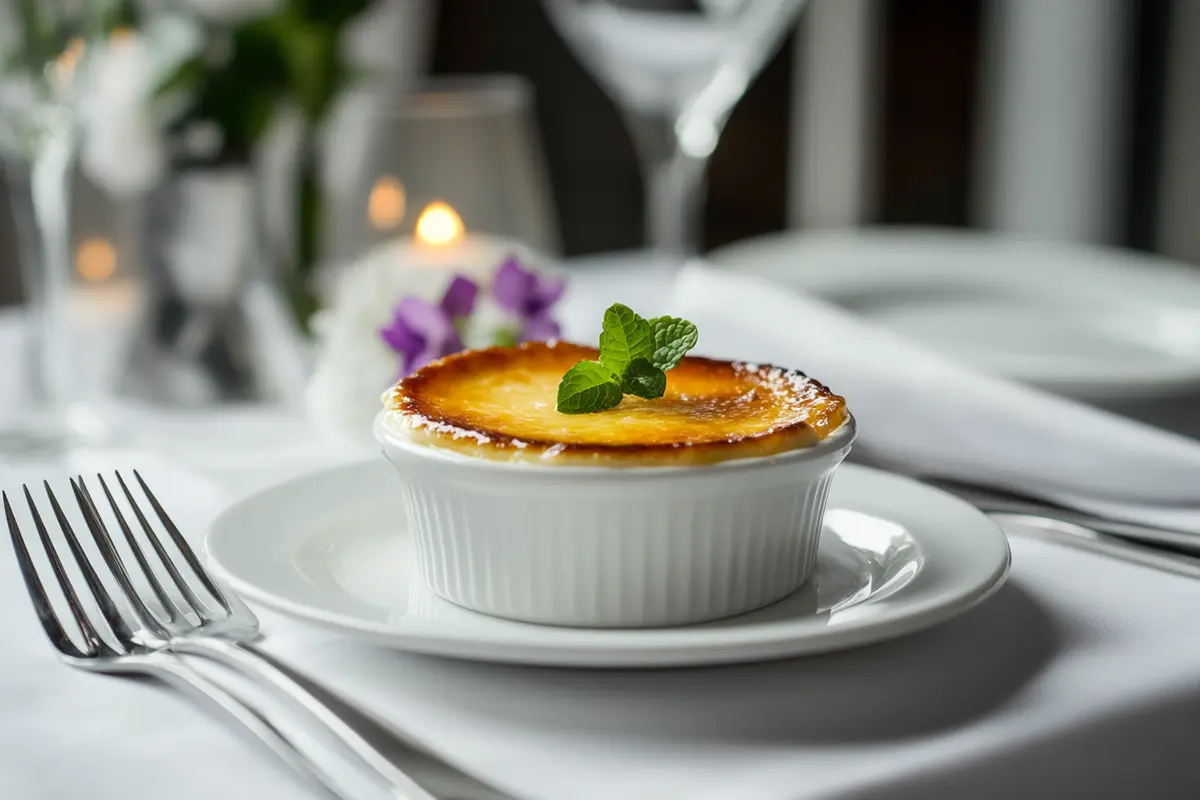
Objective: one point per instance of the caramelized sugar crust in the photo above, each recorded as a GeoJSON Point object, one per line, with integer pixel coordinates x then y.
{"type": "Point", "coordinates": [498, 403]}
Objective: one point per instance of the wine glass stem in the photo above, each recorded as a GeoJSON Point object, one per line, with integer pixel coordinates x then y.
{"type": "Point", "coordinates": [674, 185]}
{"type": "Point", "coordinates": [49, 176]}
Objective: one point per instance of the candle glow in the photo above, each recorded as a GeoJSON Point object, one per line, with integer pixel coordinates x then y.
{"type": "Point", "coordinates": [95, 260]}
{"type": "Point", "coordinates": [386, 203]}
{"type": "Point", "coordinates": [439, 225]}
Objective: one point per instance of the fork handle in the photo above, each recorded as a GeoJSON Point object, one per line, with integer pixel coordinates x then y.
{"type": "Point", "coordinates": [249, 662]}
{"type": "Point", "coordinates": [308, 761]}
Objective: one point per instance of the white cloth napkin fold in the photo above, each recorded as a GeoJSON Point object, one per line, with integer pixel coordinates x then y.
{"type": "Point", "coordinates": [939, 418]}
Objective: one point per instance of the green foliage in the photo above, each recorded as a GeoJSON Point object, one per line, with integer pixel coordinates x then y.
{"type": "Point", "coordinates": [292, 58]}
{"type": "Point", "coordinates": [248, 73]}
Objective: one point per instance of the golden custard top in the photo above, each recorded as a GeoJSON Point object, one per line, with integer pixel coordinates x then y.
{"type": "Point", "coordinates": [499, 403]}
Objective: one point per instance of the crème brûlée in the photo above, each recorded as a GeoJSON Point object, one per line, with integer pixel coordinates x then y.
{"type": "Point", "coordinates": [499, 403]}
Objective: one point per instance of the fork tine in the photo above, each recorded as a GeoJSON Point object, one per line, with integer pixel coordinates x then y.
{"type": "Point", "coordinates": [37, 592]}
{"type": "Point", "coordinates": [138, 552]}
{"type": "Point", "coordinates": [93, 644]}
{"type": "Point", "coordinates": [108, 609]}
{"type": "Point", "coordinates": [112, 558]}
{"type": "Point", "coordinates": [198, 606]}
{"type": "Point", "coordinates": [184, 547]}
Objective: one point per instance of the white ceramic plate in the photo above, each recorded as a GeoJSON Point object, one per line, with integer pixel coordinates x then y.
{"type": "Point", "coordinates": [331, 548]}
{"type": "Point", "coordinates": [1085, 322]}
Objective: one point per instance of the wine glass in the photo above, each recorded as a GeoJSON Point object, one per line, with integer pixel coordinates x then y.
{"type": "Point", "coordinates": [676, 68]}
{"type": "Point", "coordinates": [45, 53]}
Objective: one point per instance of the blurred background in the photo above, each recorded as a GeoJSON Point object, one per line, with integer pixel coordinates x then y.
{"type": "Point", "coordinates": [1065, 119]}
{"type": "Point", "coordinates": [318, 133]}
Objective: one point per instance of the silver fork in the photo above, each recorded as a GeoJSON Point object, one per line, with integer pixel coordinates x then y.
{"type": "Point", "coordinates": [997, 500]}
{"type": "Point", "coordinates": [129, 653]}
{"type": "Point", "coordinates": [224, 630]}
{"type": "Point", "coordinates": [221, 628]}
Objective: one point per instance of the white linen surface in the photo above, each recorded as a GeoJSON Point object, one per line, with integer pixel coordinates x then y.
{"type": "Point", "coordinates": [927, 413]}
{"type": "Point", "coordinates": [1081, 677]}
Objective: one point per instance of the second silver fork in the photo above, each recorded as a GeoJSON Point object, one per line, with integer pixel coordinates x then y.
{"type": "Point", "coordinates": [221, 630]}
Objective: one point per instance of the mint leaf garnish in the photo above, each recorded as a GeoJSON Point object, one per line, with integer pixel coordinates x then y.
{"type": "Point", "coordinates": [672, 338]}
{"type": "Point", "coordinates": [643, 379]}
{"type": "Point", "coordinates": [587, 387]}
{"type": "Point", "coordinates": [625, 336]}
{"type": "Point", "coordinates": [635, 355]}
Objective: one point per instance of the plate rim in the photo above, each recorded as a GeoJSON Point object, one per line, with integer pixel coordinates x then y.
{"type": "Point", "coordinates": [937, 250]}
{"type": "Point", "coordinates": [582, 647]}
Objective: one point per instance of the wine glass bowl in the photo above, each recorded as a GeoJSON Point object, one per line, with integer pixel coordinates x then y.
{"type": "Point", "coordinates": [676, 69]}
{"type": "Point", "coordinates": [45, 52]}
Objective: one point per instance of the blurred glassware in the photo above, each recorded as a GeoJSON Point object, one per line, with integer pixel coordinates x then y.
{"type": "Point", "coordinates": [46, 55]}
{"type": "Point", "coordinates": [213, 326]}
{"type": "Point", "coordinates": [86, 330]}
{"type": "Point", "coordinates": [675, 68]}
{"type": "Point", "coordinates": [463, 152]}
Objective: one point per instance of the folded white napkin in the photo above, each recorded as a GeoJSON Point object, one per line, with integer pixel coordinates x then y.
{"type": "Point", "coordinates": [938, 418]}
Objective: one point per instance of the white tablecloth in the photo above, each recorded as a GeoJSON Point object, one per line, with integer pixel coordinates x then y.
{"type": "Point", "coordinates": [1080, 678]}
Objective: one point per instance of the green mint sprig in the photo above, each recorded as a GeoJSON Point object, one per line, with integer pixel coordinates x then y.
{"type": "Point", "coordinates": [635, 354]}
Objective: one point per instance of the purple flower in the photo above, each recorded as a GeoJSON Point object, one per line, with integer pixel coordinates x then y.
{"type": "Point", "coordinates": [528, 297]}
{"type": "Point", "coordinates": [422, 332]}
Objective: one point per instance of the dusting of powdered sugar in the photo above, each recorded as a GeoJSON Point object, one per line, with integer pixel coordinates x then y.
{"type": "Point", "coordinates": [790, 388]}
{"type": "Point", "coordinates": [422, 423]}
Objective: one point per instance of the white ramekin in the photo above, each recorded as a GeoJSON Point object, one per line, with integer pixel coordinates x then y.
{"type": "Point", "coordinates": [614, 547]}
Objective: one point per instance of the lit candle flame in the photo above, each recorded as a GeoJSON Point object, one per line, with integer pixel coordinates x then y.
{"type": "Point", "coordinates": [95, 260]}
{"type": "Point", "coordinates": [386, 203]}
{"type": "Point", "coordinates": [439, 225]}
